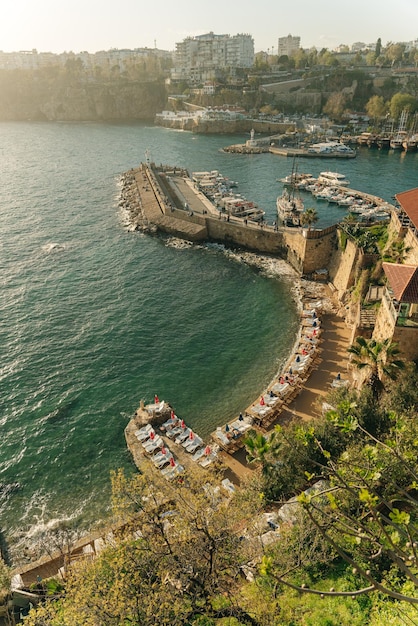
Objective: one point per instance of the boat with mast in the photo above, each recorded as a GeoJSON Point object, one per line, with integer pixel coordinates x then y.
{"type": "Point", "coordinates": [289, 204]}
{"type": "Point", "coordinates": [410, 144]}
{"type": "Point", "coordinates": [396, 143]}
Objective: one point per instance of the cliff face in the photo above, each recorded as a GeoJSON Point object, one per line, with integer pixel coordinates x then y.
{"type": "Point", "coordinates": [81, 102]}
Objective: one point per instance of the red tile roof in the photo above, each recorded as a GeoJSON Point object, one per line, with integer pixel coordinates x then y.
{"type": "Point", "coordinates": [403, 280]}
{"type": "Point", "coordinates": [409, 203]}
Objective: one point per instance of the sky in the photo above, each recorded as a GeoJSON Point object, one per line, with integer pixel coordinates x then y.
{"type": "Point", "coordinates": [92, 25]}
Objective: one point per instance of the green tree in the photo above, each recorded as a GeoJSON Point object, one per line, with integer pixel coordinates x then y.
{"type": "Point", "coordinates": [335, 106]}
{"type": "Point", "coordinates": [365, 510]}
{"type": "Point", "coordinates": [394, 52]}
{"type": "Point", "coordinates": [376, 108]}
{"type": "Point", "coordinates": [175, 560]}
{"type": "Point", "coordinates": [258, 447]}
{"type": "Point", "coordinates": [379, 359]}
{"type": "Point", "coordinates": [401, 101]}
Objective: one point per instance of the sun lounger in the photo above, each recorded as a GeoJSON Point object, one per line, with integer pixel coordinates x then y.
{"type": "Point", "coordinates": [170, 423]}
{"type": "Point", "coordinates": [221, 437]}
{"type": "Point", "coordinates": [145, 436]}
{"type": "Point", "coordinates": [143, 433]}
{"type": "Point", "coordinates": [228, 485]}
{"type": "Point", "coordinates": [163, 461]}
{"type": "Point", "coordinates": [160, 455]}
{"type": "Point", "coordinates": [260, 409]}
{"type": "Point", "coordinates": [208, 459]}
{"type": "Point", "coordinates": [198, 454]}
{"type": "Point", "coordinates": [300, 366]}
{"type": "Point", "coordinates": [172, 434]}
{"type": "Point", "coordinates": [241, 426]}
{"type": "Point", "coordinates": [157, 407]}
{"type": "Point", "coordinates": [313, 321]}
{"type": "Point", "coordinates": [183, 435]}
{"type": "Point", "coordinates": [152, 445]}
{"type": "Point", "coordinates": [281, 388]}
{"type": "Point", "coordinates": [172, 471]}
{"type": "Point", "coordinates": [192, 445]}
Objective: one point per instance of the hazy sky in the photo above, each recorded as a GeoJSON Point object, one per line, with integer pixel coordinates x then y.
{"type": "Point", "coordinates": [92, 25]}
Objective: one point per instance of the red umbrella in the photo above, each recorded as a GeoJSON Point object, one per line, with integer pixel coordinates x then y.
{"type": "Point", "coordinates": [152, 435]}
{"type": "Point", "coordinates": [163, 450]}
{"type": "Point", "coordinates": [191, 436]}
{"type": "Point", "coordinates": [262, 401]}
{"type": "Point", "coordinates": [172, 462]}
{"type": "Point", "coordinates": [207, 450]}
{"type": "Point", "coordinates": [183, 424]}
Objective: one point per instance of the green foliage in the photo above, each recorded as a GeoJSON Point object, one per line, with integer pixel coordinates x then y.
{"type": "Point", "coordinates": [379, 359]}
{"type": "Point", "coordinates": [396, 252]}
{"type": "Point", "coordinates": [402, 394]}
{"type": "Point", "coordinates": [309, 217]}
{"type": "Point", "coordinates": [183, 564]}
{"type": "Point", "coordinates": [376, 107]}
{"type": "Point", "coordinates": [401, 101]}
{"type": "Point", "coordinates": [370, 239]}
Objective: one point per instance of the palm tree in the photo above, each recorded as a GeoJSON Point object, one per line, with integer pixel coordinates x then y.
{"type": "Point", "coordinates": [379, 358]}
{"type": "Point", "coordinates": [258, 446]}
{"type": "Point", "coordinates": [309, 217]}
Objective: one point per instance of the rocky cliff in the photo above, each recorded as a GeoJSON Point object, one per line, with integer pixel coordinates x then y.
{"type": "Point", "coordinates": [35, 100]}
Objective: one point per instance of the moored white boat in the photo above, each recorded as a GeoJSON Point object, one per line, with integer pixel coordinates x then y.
{"type": "Point", "coordinates": [333, 178]}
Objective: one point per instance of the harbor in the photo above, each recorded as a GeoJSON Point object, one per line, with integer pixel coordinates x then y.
{"type": "Point", "coordinates": [166, 199]}
{"type": "Point", "coordinates": [109, 386]}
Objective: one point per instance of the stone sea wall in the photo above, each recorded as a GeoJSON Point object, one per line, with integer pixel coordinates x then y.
{"type": "Point", "coordinates": [220, 126]}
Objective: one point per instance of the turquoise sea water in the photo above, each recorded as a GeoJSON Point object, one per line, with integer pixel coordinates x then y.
{"type": "Point", "coordinates": [94, 318]}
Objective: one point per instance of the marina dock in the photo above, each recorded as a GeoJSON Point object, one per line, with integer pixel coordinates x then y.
{"type": "Point", "coordinates": [308, 154]}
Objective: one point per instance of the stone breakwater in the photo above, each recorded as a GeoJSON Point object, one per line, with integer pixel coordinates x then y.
{"type": "Point", "coordinates": [165, 200]}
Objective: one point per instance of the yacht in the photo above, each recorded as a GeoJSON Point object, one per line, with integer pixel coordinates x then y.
{"type": "Point", "coordinates": [333, 178]}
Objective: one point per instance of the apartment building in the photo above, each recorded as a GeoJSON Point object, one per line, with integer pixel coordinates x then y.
{"type": "Point", "coordinates": [200, 58]}
{"type": "Point", "coordinates": [288, 45]}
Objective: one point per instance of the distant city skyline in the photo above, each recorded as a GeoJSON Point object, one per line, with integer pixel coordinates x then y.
{"type": "Point", "coordinates": [92, 25]}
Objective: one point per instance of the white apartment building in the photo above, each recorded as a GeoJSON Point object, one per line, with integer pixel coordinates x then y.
{"type": "Point", "coordinates": [199, 58]}
{"type": "Point", "coordinates": [288, 45]}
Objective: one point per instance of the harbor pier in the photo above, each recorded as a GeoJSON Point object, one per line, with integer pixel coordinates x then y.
{"type": "Point", "coordinates": [164, 199]}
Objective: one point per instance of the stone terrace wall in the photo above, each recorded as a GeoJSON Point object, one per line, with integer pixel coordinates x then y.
{"type": "Point", "coordinates": [319, 248]}
{"type": "Point", "coordinates": [343, 266]}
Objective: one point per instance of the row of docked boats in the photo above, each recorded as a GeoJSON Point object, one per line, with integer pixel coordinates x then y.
{"type": "Point", "coordinates": [330, 187]}
{"type": "Point", "coordinates": [219, 190]}
{"type": "Point", "coordinates": [331, 149]}
{"type": "Point", "coordinates": [405, 138]}
{"type": "Point", "coordinates": [402, 140]}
